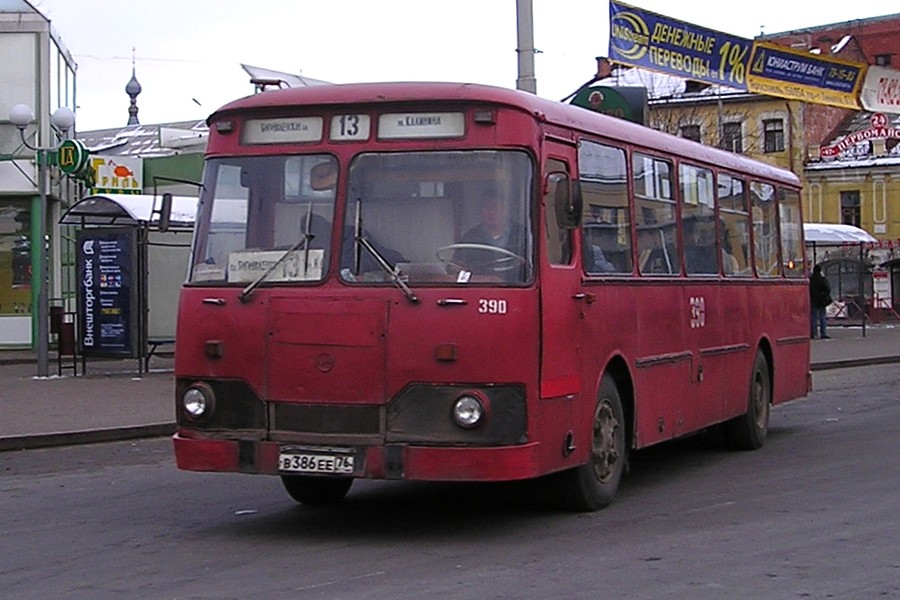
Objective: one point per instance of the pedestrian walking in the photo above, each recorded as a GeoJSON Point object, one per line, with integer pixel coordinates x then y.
{"type": "Point", "coordinates": [819, 299]}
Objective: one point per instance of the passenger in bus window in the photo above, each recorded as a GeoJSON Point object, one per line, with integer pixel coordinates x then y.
{"type": "Point", "coordinates": [599, 263]}
{"type": "Point", "coordinates": [730, 264]}
{"type": "Point", "coordinates": [495, 230]}
{"type": "Point", "coordinates": [653, 257]}
{"type": "Point", "coordinates": [595, 260]}
{"type": "Point", "coordinates": [700, 247]}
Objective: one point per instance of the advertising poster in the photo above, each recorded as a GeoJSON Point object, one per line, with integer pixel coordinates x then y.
{"type": "Point", "coordinates": [881, 90]}
{"type": "Point", "coordinates": [798, 75]}
{"type": "Point", "coordinates": [117, 174]}
{"type": "Point", "coordinates": [107, 291]}
{"type": "Point", "coordinates": [641, 38]}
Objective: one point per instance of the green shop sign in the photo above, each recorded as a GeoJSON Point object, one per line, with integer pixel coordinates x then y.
{"type": "Point", "coordinates": [72, 157]}
{"type": "Point", "coordinates": [629, 103]}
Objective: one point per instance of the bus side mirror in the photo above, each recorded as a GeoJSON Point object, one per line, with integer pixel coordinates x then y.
{"type": "Point", "coordinates": [567, 199]}
{"type": "Point", "coordinates": [165, 212]}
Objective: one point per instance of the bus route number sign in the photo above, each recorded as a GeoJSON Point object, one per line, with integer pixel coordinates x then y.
{"type": "Point", "coordinates": [346, 128]}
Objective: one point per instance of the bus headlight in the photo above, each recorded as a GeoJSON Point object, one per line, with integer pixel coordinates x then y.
{"type": "Point", "coordinates": [468, 411]}
{"type": "Point", "coordinates": [198, 401]}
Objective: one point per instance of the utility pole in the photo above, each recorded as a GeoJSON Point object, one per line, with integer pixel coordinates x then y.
{"type": "Point", "coordinates": [525, 49]}
{"type": "Point", "coordinates": [62, 121]}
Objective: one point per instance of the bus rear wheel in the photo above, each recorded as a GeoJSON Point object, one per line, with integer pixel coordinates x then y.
{"type": "Point", "coordinates": [594, 484]}
{"type": "Point", "coordinates": [749, 431]}
{"type": "Point", "coordinates": [316, 491]}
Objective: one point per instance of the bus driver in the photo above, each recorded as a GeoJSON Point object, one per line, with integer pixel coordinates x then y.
{"type": "Point", "coordinates": [496, 230]}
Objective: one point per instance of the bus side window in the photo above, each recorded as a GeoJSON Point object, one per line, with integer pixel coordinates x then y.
{"type": "Point", "coordinates": [765, 229]}
{"type": "Point", "coordinates": [791, 227]}
{"type": "Point", "coordinates": [657, 242]}
{"type": "Point", "coordinates": [698, 219]}
{"type": "Point", "coordinates": [557, 237]}
{"type": "Point", "coordinates": [606, 222]}
{"type": "Point", "coordinates": [734, 226]}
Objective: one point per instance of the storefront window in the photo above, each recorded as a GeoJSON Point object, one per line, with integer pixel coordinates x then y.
{"type": "Point", "coordinates": [15, 257]}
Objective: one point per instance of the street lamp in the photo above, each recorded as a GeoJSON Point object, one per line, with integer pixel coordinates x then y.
{"type": "Point", "coordinates": [62, 120]}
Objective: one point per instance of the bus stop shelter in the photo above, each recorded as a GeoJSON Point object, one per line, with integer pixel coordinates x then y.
{"type": "Point", "coordinates": [840, 251]}
{"type": "Point", "coordinates": [131, 256]}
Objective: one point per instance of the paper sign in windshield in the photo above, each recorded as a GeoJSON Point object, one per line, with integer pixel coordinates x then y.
{"type": "Point", "coordinates": [300, 265]}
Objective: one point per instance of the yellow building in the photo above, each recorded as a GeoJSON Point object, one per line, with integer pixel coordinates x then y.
{"type": "Point", "coordinates": [765, 128]}
{"type": "Point", "coordinates": [850, 175]}
{"type": "Point", "coordinates": [858, 184]}
{"type": "Point", "coordinates": [854, 177]}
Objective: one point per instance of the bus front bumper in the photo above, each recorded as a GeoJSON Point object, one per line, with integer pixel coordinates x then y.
{"type": "Point", "coordinates": [391, 461]}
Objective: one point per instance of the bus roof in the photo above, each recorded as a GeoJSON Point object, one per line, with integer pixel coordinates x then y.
{"type": "Point", "coordinates": [548, 111]}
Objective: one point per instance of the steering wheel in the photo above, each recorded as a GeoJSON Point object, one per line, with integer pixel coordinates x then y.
{"type": "Point", "coordinates": [506, 261]}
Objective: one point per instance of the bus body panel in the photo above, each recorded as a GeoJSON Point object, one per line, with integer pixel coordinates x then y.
{"type": "Point", "coordinates": [367, 369]}
{"type": "Point", "coordinates": [345, 348]}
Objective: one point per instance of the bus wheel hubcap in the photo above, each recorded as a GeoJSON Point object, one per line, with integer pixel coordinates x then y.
{"type": "Point", "coordinates": [605, 450]}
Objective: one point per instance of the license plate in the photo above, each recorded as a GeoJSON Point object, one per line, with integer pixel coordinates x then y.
{"type": "Point", "coordinates": [336, 461]}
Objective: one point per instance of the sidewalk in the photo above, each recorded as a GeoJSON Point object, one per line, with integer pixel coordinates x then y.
{"type": "Point", "coordinates": [112, 402]}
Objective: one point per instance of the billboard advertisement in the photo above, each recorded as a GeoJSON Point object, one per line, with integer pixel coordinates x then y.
{"type": "Point", "coordinates": [107, 292]}
{"type": "Point", "coordinates": [799, 75]}
{"type": "Point", "coordinates": [881, 90]}
{"type": "Point", "coordinates": [644, 39]}
{"type": "Point", "coordinates": [641, 38]}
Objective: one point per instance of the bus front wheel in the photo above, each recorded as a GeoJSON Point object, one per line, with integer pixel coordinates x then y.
{"type": "Point", "coordinates": [749, 431]}
{"type": "Point", "coordinates": [316, 491]}
{"type": "Point", "coordinates": [594, 484]}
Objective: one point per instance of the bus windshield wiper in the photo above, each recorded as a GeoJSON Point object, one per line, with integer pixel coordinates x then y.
{"type": "Point", "coordinates": [392, 270]}
{"type": "Point", "coordinates": [247, 292]}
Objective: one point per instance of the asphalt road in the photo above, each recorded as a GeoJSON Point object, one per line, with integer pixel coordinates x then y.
{"type": "Point", "coordinates": [811, 515]}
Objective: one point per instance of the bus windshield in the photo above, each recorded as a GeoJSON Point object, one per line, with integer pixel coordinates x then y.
{"type": "Point", "coordinates": [438, 217]}
{"type": "Point", "coordinates": [432, 218]}
{"type": "Point", "coordinates": [259, 219]}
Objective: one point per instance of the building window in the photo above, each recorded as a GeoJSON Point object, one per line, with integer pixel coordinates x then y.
{"type": "Point", "coordinates": [883, 60]}
{"type": "Point", "coordinates": [690, 132]}
{"type": "Point", "coordinates": [15, 257]}
{"type": "Point", "coordinates": [732, 138]}
{"type": "Point", "coordinates": [773, 132]}
{"type": "Point", "coordinates": [850, 213]}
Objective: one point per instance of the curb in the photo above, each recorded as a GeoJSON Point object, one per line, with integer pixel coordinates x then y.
{"type": "Point", "coordinates": [117, 434]}
{"type": "Point", "coordinates": [49, 440]}
{"type": "Point", "coordinates": [853, 362]}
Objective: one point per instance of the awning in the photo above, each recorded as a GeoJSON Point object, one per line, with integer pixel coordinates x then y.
{"type": "Point", "coordinates": [829, 234]}
{"type": "Point", "coordinates": [129, 210]}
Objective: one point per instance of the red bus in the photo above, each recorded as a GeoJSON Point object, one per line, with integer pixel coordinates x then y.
{"type": "Point", "coordinates": [454, 282]}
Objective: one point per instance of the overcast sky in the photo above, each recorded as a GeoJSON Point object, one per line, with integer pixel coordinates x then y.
{"type": "Point", "coordinates": [188, 52]}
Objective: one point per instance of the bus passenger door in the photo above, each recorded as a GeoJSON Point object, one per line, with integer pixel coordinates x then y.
{"type": "Point", "coordinates": [560, 280]}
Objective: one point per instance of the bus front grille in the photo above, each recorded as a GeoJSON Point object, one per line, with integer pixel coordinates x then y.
{"type": "Point", "coordinates": [325, 419]}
